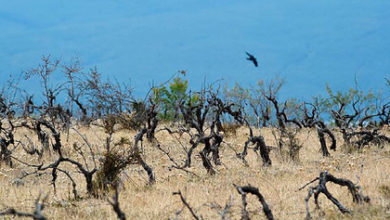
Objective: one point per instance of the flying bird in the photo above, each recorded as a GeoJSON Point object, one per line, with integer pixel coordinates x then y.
{"type": "Point", "coordinates": [252, 58]}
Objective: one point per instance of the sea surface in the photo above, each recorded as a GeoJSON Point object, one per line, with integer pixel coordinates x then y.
{"type": "Point", "coordinates": [308, 43]}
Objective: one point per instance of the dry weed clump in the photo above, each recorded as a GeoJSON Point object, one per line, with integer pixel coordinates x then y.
{"type": "Point", "coordinates": [385, 191]}
{"type": "Point", "coordinates": [230, 129]}
{"type": "Point", "coordinates": [112, 164]}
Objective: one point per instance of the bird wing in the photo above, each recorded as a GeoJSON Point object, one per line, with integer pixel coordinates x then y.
{"type": "Point", "coordinates": [251, 58]}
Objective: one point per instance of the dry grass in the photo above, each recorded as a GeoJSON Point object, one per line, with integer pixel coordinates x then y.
{"type": "Point", "coordinates": [278, 184]}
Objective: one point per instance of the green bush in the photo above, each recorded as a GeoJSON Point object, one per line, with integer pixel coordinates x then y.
{"type": "Point", "coordinates": [170, 98]}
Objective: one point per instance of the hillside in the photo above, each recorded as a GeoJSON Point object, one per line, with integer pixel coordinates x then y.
{"type": "Point", "coordinates": [206, 194]}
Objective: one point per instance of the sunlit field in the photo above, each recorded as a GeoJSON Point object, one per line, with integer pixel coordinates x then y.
{"type": "Point", "coordinates": [206, 194]}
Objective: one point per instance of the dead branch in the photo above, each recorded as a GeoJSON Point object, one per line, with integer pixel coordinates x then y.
{"type": "Point", "coordinates": [151, 121]}
{"type": "Point", "coordinates": [195, 115]}
{"type": "Point", "coordinates": [259, 145]}
{"type": "Point", "coordinates": [311, 120]}
{"type": "Point", "coordinates": [243, 190]}
{"type": "Point", "coordinates": [6, 139]}
{"type": "Point", "coordinates": [220, 210]}
{"type": "Point", "coordinates": [74, 185]}
{"type": "Point", "coordinates": [207, 164]}
{"type": "Point", "coordinates": [88, 144]}
{"type": "Point", "coordinates": [175, 164]}
{"type": "Point", "coordinates": [177, 213]}
{"type": "Point", "coordinates": [183, 200]}
{"type": "Point", "coordinates": [36, 215]}
{"type": "Point", "coordinates": [225, 211]}
{"type": "Point", "coordinates": [304, 186]}
{"type": "Point", "coordinates": [115, 204]}
{"type": "Point", "coordinates": [364, 137]}
{"type": "Point", "coordinates": [30, 148]}
{"type": "Point", "coordinates": [57, 147]}
{"type": "Point", "coordinates": [244, 212]}
{"type": "Point", "coordinates": [140, 160]}
{"type": "Point", "coordinates": [324, 177]}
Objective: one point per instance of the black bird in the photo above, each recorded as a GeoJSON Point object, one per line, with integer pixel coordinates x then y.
{"type": "Point", "coordinates": [251, 58]}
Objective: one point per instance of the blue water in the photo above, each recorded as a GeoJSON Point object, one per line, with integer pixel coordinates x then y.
{"type": "Point", "coordinates": [309, 43]}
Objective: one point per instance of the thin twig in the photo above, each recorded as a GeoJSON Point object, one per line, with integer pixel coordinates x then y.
{"type": "Point", "coordinates": [186, 204]}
